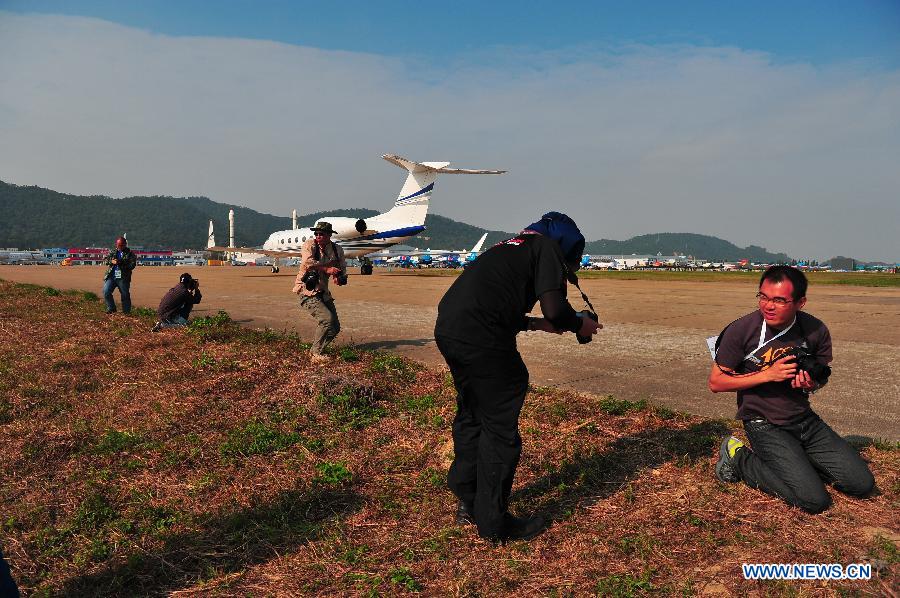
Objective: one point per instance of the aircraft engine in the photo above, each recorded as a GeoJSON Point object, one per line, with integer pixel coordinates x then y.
{"type": "Point", "coordinates": [360, 226]}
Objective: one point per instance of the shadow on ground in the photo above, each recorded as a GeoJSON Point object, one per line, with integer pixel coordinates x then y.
{"type": "Point", "coordinates": [224, 543]}
{"type": "Point", "coordinates": [393, 344]}
{"type": "Point", "coordinates": [594, 476]}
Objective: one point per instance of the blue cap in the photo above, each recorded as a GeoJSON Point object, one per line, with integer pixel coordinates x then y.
{"type": "Point", "coordinates": [564, 231]}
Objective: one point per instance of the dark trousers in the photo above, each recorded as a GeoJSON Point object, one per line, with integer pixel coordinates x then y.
{"type": "Point", "coordinates": [794, 461]}
{"type": "Point", "coordinates": [124, 286]}
{"type": "Point", "coordinates": [8, 588]}
{"type": "Point", "coordinates": [490, 387]}
{"type": "Point", "coordinates": [179, 318]}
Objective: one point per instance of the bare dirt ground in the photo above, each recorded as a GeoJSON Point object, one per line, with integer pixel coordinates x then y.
{"type": "Point", "coordinates": [652, 345]}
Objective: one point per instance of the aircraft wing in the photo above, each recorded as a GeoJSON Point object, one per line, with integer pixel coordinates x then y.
{"type": "Point", "coordinates": [436, 167]}
{"type": "Point", "coordinates": [268, 252]}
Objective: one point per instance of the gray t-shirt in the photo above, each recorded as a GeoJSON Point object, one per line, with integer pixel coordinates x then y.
{"type": "Point", "coordinates": [777, 402]}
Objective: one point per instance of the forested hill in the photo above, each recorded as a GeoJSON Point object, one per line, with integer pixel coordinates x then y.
{"type": "Point", "coordinates": [33, 217]}
{"type": "Point", "coordinates": [699, 246]}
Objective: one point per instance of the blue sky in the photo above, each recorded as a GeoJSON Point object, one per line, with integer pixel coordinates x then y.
{"type": "Point", "coordinates": [776, 124]}
{"type": "Point", "coordinates": [816, 31]}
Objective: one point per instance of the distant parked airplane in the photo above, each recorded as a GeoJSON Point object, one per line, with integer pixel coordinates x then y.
{"type": "Point", "coordinates": [448, 257]}
{"type": "Point", "coordinates": [358, 236]}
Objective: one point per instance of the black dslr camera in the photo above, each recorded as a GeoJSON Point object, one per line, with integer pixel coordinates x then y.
{"type": "Point", "coordinates": [583, 340]}
{"type": "Point", "coordinates": [189, 282]}
{"type": "Point", "coordinates": [806, 362]}
{"type": "Point", "coordinates": [341, 278]}
{"type": "Point", "coordinates": [310, 279]}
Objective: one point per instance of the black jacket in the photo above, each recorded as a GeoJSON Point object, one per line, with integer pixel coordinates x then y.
{"type": "Point", "coordinates": [126, 264]}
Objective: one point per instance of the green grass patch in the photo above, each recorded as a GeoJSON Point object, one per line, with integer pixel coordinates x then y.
{"type": "Point", "coordinates": [257, 438]}
{"type": "Point", "coordinates": [664, 412]}
{"type": "Point", "coordinates": [205, 361]}
{"type": "Point", "coordinates": [143, 312]}
{"type": "Point", "coordinates": [419, 404]}
{"type": "Point", "coordinates": [613, 406]}
{"type": "Point", "coordinates": [116, 441]}
{"type": "Point", "coordinates": [402, 578]}
{"type": "Point", "coordinates": [883, 444]}
{"type": "Point", "coordinates": [217, 327]}
{"type": "Point", "coordinates": [94, 512]}
{"type": "Point", "coordinates": [352, 410]}
{"type": "Point", "coordinates": [394, 366]}
{"type": "Point", "coordinates": [884, 549]}
{"type": "Point", "coordinates": [623, 585]}
{"type": "Point", "coordinates": [349, 354]}
{"type": "Point", "coordinates": [332, 474]}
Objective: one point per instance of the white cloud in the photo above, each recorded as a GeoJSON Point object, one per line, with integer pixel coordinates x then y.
{"type": "Point", "coordinates": [628, 140]}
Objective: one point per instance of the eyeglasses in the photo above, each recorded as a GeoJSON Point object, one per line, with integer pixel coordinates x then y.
{"type": "Point", "coordinates": [778, 301]}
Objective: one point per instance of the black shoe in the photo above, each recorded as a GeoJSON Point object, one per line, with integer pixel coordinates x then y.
{"type": "Point", "coordinates": [156, 327]}
{"type": "Point", "coordinates": [518, 528]}
{"type": "Point", "coordinates": [522, 528]}
{"type": "Point", "coordinates": [465, 513]}
{"type": "Point", "coordinates": [110, 311]}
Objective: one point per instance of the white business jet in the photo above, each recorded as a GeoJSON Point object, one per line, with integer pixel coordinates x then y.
{"type": "Point", "coordinates": [360, 236]}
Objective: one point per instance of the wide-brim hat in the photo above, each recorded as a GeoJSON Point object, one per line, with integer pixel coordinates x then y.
{"type": "Point", "coordinates": [323, 227]}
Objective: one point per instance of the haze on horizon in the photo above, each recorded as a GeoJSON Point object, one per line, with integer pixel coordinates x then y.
{"type": "Point", "coordinates": [797, 155]}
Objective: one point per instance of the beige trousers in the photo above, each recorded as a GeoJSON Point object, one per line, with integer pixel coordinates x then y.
{"type": "Point", "coordinates": [324, 312]}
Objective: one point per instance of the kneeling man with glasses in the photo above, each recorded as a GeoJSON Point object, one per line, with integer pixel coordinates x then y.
{"type": "Point", "coordinates": [774, 358]}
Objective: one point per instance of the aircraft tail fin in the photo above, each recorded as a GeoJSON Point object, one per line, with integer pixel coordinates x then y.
{"type": "Point", "coordinates": [479, 244]}
{"type": "Point", "coordinates": [411, 205]}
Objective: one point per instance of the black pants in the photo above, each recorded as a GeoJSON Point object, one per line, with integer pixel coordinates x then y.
{"type": "Point", "coordinates": [491, 387]}
{"type": "Point", "coordinates": [794, 461]}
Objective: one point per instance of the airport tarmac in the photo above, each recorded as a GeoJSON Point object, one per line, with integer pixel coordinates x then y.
{"type": "Point", "coordinates": [652, 345]}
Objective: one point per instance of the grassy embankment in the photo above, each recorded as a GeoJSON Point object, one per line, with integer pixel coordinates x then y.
{"type": "Point", "coordinates": [218, 460]}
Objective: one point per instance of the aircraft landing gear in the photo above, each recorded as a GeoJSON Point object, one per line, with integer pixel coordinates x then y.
{"type": "Point", "coordinates": [275, 269]}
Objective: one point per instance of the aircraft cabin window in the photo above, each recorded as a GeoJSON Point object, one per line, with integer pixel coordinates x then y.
{"type": "Point", "coordinates": [304, 239]}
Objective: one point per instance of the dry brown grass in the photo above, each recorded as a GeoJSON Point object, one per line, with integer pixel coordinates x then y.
{"type": "Point", "coordinates": [219, 461]}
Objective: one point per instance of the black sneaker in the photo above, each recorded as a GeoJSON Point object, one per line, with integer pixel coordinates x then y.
{"type": "Point", "coordinates": [725, 465]}
{"type": "Point", "coordinates": [110, 311]}
{"type": "Point", "coordinates": [156, 327]}
{"type": "Point", "coordinates": [465, 513]}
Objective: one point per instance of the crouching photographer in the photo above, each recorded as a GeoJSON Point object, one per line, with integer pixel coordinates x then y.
{"type": "Point", "coordinates": [478, 320]}
{"type": "Point", "coordinates": [321, 260]}
{"type": "Point", "coordinates": [176, 305]}
{"type": "Point", "coordinates": [774, 358]}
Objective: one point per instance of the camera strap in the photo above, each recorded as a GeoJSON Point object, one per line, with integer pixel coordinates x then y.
{"type": "Point", "coordinates": [762, 337]}
{"type": "Point", "coordinates": [317, 252]}
{"type": "Point", "coordinates": [574, 280]}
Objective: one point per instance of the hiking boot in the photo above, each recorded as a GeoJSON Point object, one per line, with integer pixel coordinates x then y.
{"type": "Point", "coordinates": [725, 470]}
{"type": "Point", "coordinates": [318, 358]}
{"type": "Point", "coordinates": [156, 327]}
{"type": "Point", "coordinates": [465, 513]}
